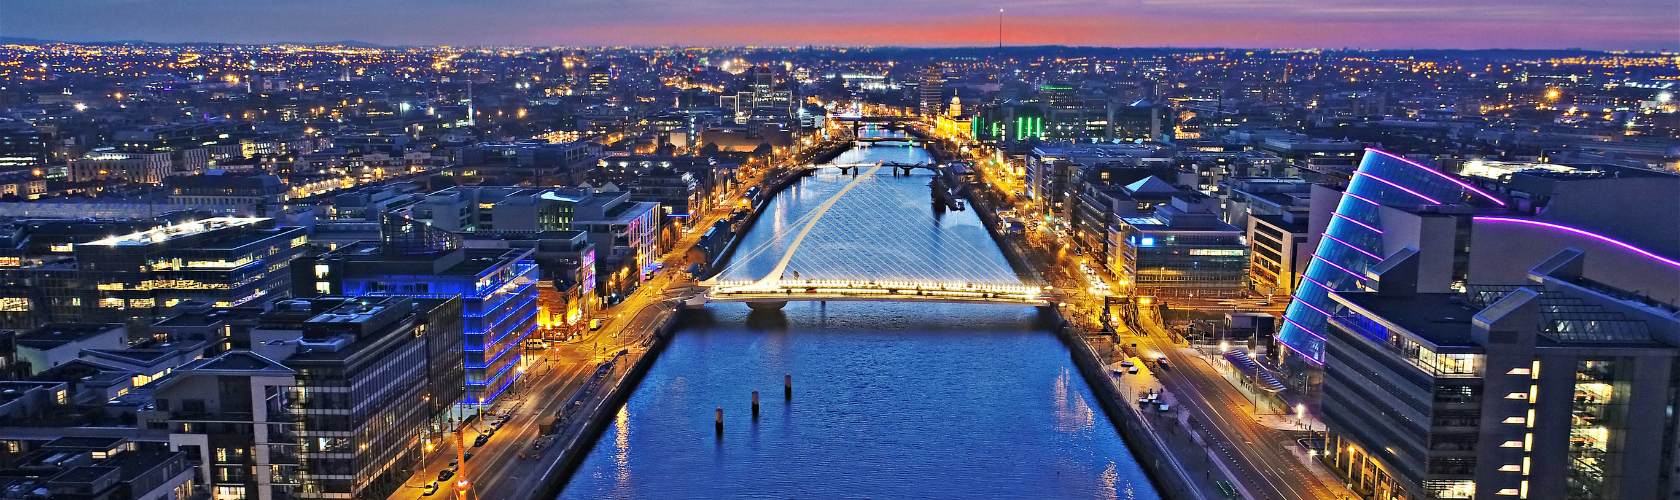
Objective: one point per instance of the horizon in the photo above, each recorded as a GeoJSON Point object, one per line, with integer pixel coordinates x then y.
{"type": "Point", "coordinates": [354, 42]}
{"type": "Point", "coordinates": [1621, 25]}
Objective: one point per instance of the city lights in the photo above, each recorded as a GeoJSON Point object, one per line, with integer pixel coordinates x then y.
{"type": "Point", "coordinates": [576, 260]}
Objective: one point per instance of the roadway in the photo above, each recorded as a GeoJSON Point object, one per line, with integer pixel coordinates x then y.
{"type": "Point", "coordinates": [1258, 457]}
{"type": "Point", "coordinates": [508, 464]}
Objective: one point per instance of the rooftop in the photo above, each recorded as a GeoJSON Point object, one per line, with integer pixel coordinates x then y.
{"type": "Point", "coordinates": [1442, 319]}
{"type": "Point", "coordinates": [54, 335]}
{"type": "Point", "coordinates": [170, 232]}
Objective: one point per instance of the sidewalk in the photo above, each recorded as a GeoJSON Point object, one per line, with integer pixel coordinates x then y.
{"type": "Point", "coordinates": [1188, 447]}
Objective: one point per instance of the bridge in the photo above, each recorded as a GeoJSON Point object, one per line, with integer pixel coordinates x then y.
{"type": "Point", "coordinates": [873, 118]}
{"type": "Point", "coordinates": [875, 140]}
{"type": "Point", "coordinates": [857, 257]}
{"type": "Point", "coordinates": [898, 168]}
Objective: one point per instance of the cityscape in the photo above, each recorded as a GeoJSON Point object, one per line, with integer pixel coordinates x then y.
{"type": "Point", "coordinates": [932, 250]}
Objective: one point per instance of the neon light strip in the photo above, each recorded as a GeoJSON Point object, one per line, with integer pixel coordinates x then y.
{"type": "Point", "coordinates": [1350, 245]}
{"type": "Point", "coordinates": [1305, 356]}
{"type": "Point", "coordinates": [1303, 328]}
{"type": "Point", "coordinates": [1345, 270]}
{"type": "Point", "coordinates": [1431, 201]}
{"type": "Point", "coordinates": [1440, 174]}
{"type": "Point", "coordinates": [1582, 232]}
{"type": "Point", "coordinates": [1355, 221]}
{"type": "Point", "coordinates": [1361, 198]}
{"type": "Point", "coordinates": [1304, 302]}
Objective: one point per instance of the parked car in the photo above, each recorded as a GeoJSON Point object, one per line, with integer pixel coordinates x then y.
{"type": "Point", "coordinates": [445, 474]}
{"type": "Point", "coordinates": [431, 489]}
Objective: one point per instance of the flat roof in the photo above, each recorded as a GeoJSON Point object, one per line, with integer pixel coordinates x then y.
{"type": "Point", "coordinates": [57, 334]}
{"type": "Point", "coordinates": [1442, 319]}
{"type": "Point", "coordinates": [174, 231]}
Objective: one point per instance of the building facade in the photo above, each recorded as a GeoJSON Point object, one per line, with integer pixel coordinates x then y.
{"type": "Point", "coordinates": [1359, 237]}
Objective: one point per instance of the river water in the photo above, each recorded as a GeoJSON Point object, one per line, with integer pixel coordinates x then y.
{"type": "Point", "coordinates": [890, 400]}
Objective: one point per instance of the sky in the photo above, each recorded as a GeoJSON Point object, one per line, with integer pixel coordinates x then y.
{"type": "Point", "coordinates": [1378, 24]}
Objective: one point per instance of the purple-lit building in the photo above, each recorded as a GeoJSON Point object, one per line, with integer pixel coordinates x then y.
{"type": "Point", "coordinates": [1516, 339]}
{"type": "Point", "coordinates": [1390, 204]}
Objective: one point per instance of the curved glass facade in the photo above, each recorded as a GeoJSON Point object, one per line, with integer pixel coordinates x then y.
{"type": "Point", "coordinates": [1352, 243]}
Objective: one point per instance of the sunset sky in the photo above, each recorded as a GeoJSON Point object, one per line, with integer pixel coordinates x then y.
{"type": "Point", "coordinates": [1597, 24]}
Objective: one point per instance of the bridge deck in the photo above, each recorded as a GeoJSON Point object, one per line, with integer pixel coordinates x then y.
{"type": "Point", "coordinates": [806, 290]}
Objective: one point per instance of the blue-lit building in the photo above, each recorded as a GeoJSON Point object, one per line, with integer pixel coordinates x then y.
{"type": "Point", "coordinates": [497, 287]}
{"type": "Point", "coordinates": [1385, 190]}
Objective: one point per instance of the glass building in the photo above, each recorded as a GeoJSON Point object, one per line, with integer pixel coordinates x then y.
{"type": "Point", "coordinates": [497, 288]}
{"type": "Point", "coordinates": [1353, 240]}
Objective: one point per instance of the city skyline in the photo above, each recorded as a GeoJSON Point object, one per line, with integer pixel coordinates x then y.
{"type": "Point", "coordinates": [1401, 250]}
{"type": "Point", "coordinates": [1643, 25]}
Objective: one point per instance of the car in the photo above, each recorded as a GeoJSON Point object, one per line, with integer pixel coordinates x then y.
{"type": "Point", "coordinates": [467, 455]}
{"type": "Point", "coordinates": [431, 489]}
{"type": "Point", "coordinates": [444, 475]}
{"type": "Point", "coordinates": [1164, 408]}
{"type": "Point", "coordinates": [482, 438]}
{"type": "Point", "coordinates": [1132, 370]}
{"type": "Point", "coordinates": [1128, 363]}
{"type": "Point", "coordinates": [454, 462]}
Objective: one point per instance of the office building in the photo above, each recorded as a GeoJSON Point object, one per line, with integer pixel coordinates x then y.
{"type": "Point", "coordinates": [260, 195]}
{"type": "Point", "coordinates": [496, 286]}
{"type": "Point", "coordinates": [137, 168]}
{"type": "Point", "coordinates": [339, 398]}
{"type": "Point", "coordinates": [223, 261]}
{"type": "Point", "coordinates": [1552, 386]}
{"type": "Point", "coordinates": [1182, 249]}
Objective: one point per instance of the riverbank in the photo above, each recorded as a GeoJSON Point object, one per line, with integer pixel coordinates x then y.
{"type": "Point", "coordinates": [1162, 464]}
{"type": "Point", "coordinates": [601, 413]}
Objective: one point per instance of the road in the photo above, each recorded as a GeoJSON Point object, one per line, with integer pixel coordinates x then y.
{"type": "Point", "coordinates": [1258, 455]}
{"type": "Point", "coordinates": [507, 465]}
{"type": "Point", "coordinates": [1255, 456]}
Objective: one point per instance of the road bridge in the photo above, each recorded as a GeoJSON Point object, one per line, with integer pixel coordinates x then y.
{"type": "Point", "coordinates": [964, 271]}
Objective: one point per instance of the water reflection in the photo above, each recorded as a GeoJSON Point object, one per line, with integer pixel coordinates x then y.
{"type": "Point", "coordinates": [1072, 413]}
{"type": "Point", "coordinates": [891, 400]}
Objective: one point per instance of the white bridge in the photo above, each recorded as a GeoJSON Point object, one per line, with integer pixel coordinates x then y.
{"type": "Point", "coordinates": [855, 258]}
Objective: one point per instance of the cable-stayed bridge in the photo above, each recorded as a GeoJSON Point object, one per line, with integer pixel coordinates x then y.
{"type": "Point", "coordinates": [843, 250]}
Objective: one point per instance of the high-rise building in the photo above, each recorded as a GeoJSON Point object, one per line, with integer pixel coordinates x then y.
{"type": "Point", "coordinates": [932, 92]}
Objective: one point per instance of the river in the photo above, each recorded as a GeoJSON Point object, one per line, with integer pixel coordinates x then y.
{"type": "Point", "coordinates": [890, 399]}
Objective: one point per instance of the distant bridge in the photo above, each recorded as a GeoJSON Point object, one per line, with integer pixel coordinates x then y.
{"type": "Point", "coordinates": [875, 140]}
{"type": "Point", "coordinates": [897, 167]}
{"type": "Point", "coordinates": [874, 118]}
{"type": "Point", "coordinates": [849, 267]}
